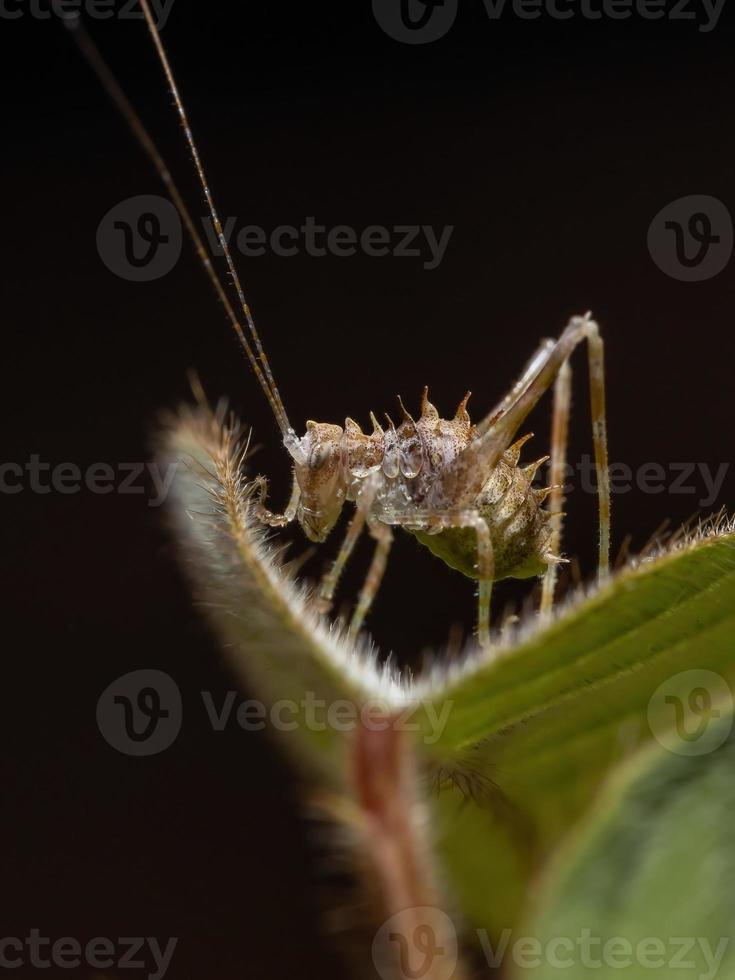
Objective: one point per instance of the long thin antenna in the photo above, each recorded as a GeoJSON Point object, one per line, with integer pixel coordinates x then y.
{"type": "Point", "coordinates": [163, 57]}
{"type": "Point", "coordinates": [110, 84]}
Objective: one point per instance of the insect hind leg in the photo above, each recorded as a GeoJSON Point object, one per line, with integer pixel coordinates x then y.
{"type": "Point", "coordinates": [485, 573]}
{"type": "Point", "coordinates": [599, 437]}
{"type": "Point", "coordinates": [485, 570]}
{"type": "Point", "coordinates": [559, 438]}
{"type": "Point", "coordinates": [464, 479]}
{"type": "Point", "coordinates": [485, 564]}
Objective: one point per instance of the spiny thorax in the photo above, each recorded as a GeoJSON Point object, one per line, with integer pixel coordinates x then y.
{"type": "Point", "coordinates": [409, 457]}
{"type": "Point", "coordinates": [412, 452]}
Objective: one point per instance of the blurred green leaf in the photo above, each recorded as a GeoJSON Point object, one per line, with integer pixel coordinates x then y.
{"type": "Point", "coordinates": [535, 729]}
{"type": "Point", "coordinates": [651, 880]}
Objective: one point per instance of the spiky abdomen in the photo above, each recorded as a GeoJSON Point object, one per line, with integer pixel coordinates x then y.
{"type": "Point", "coordinates": [519, 528]}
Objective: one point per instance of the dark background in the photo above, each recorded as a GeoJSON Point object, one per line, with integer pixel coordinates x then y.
{"type": "Point", "coordinates": [549, 146]}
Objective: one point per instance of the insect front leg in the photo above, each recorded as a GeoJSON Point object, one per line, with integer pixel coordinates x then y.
{"type": "Point", "coordinates": [268, 517]}
{"type": "Point", "coordinates": [384, 538]}
{"type": "Point", "coordinates": [363, 504]}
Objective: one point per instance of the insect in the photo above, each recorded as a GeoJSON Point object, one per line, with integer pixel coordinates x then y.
{"type": "Point", "coordinates": [458, 488]}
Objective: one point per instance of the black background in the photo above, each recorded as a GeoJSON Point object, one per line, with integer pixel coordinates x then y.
{"type": "Point", "coordinates": [549, 146]}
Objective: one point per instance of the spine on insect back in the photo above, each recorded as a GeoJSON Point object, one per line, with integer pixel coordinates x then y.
{"type": "Point", "coordinates": [413, 452]}
{"type": "Point", "coordinates": [411, 455]}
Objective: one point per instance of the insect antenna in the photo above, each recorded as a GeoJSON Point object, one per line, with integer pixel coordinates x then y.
{"type": "Point", "coordinates": [260, 364]}
{"type": "Point", "coordinates": [165, 64]}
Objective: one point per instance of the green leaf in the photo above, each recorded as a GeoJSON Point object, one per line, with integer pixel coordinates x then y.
{"type": "Point", "coordinates": [517, 741]}
{"type": "Point", "coordinates": [651, 880]}
{"type": "Point", "coordinates": [535, 728]}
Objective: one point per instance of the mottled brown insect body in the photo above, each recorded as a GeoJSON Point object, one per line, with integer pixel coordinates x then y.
{"type": "Point", "coordinates": [403, 465]}
{"type": "Point", "coordinates": [520, 529]}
